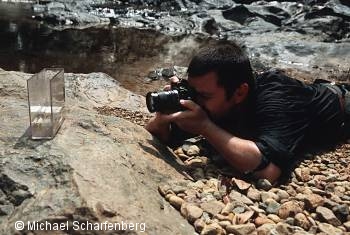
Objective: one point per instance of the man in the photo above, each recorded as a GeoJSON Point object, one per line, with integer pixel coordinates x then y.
{"type": "Point", "coordinates": [257, 124]}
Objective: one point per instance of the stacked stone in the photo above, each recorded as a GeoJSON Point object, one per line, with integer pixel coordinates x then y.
{"type": "Point", "coordinates": [316, 199]}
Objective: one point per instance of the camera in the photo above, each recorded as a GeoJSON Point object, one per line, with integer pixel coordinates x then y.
{"type": "Point", "coordinates": [169, 101]}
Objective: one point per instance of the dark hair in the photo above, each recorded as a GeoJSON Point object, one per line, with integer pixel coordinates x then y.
{"type": "Point", "coordinates": [228, 61]}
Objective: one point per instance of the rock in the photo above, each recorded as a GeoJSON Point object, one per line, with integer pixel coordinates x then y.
{"type": "Point", "coordinates": [199, 225]}
{"type": "Point", "coordinates": [261, 220]}
{"type": "Point", "coordinates": [302, 221]}
{"type": "Point", "coordinates": [241, 184]}
{"type": "Point", "coordinates": [264, 184]}
{"type": "Point", "coordinates": [191, 212]}
{"type": "Point", "coordinates": [326, 215]}
{"type": "Point", "coordinates": [236, 196]}
{"type": "Point", "coordinates": [313, 201]}
{"type": "Point", "coordinates": [244, 217]}
{"type": "Point", "coordinates": [168, 72]}
{"type": "Point", "coordinates": [347, 225]}
{"type": "Point", "coordinates": [302, 174]}
{"type": "Point", "coordinates": [329, 229]}
{"type": "Point", "coordinates": [268, 195]}
{"type": "Point", "coordinates": [266, 229]}
{"type": "Point", "coordinates": [176, 201]}
{"type": "Point", "coordinates": [241, 229]}
{"type": "Point", "coordinates": [213, 229]}
{"type": "Point", "coordinates": [212, 207]}
{"type": "Point", "coordinates": [193, 150]}
{"type": "Point", "coordinates": [80, 167]}
{"type": "Point", "coordinates": [254, 194]}
{"type": "Point", "coordinates": [341, 212]}
{"type": "Point", "coordinates": [282, 195]}
{"type": "Point", "coordinates": [272, 207]}
{"type": "Point", "coordinates": [289, 209]}
{"type": "Point", "coordinates": [274, 218]}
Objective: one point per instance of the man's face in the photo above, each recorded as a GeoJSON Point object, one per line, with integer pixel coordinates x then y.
{"type": "Point", "coordinates": [211, 96]}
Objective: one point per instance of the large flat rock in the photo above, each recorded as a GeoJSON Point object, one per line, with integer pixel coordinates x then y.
{"type": "Point", "coordinates": [97, 168]}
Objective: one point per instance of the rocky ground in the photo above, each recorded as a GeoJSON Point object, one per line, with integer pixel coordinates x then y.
{"type": "Point", "coordinates": [314, 198]}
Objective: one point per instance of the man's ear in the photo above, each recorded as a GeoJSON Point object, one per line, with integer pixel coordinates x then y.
{"type": "Point", "coordinates": [241, 93]}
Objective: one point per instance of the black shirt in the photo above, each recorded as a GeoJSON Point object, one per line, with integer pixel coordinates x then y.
{"type": "Point", "coordinates": [286, 114]}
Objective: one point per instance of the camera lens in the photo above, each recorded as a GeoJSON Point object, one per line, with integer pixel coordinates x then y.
{"type": "Point", "coordinates": [162, 101]}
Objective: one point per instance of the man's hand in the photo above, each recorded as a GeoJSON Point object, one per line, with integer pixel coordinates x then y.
{"type": "Point", "coordinates": [193, 120]}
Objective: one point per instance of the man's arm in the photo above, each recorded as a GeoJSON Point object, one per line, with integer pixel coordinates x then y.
{"type": "Point", "coordinates": [241, 154]}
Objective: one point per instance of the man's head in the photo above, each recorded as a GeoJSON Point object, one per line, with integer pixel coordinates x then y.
{"type": "Point", "coordinates": [222, 76]}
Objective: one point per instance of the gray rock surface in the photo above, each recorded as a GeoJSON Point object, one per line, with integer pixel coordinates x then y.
{"type": "Point", "coordinates": [97, 168]}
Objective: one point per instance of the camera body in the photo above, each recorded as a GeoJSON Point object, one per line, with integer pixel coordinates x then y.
{"type": "Point", "coordinates": [169, 101]}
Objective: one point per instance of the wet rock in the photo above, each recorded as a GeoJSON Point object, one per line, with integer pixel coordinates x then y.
{"type": "Point", "coordinates": [326, 215]}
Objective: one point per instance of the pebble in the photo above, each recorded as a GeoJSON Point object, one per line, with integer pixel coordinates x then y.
{"type": "Point", "coordinates": [287, 209]}
{"type": "Point", "coordinates": [176, 201]}
{"type": "Point", "coordinates": [326, 215]}
{"type": "Point", "coordinates": [315, 200]}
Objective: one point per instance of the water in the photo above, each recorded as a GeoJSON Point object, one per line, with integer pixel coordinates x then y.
{"type": "Point", "coordinates": [128, 55]}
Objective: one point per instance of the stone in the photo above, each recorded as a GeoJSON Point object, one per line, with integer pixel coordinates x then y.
{"type": "Point", "coordinates": [213, 229]}
{"type": "Point", "coordinates": [341, 212]}
{"type": "Point", "coordinates": [244, 217]}
{"type": "Point", "coordinates": [241, 229]}
{"type": "Point", "coordinates": [268, 195]}
{"type": "Point", "coordinates": [329, 229]}
{"type": "Point", "coordinates": [199, 225]}
{"type": "Point", "coordinates": [236, 196]}
{"type": "Point", "coordinates": [347, 226]}
{"type": "Point", "coordinates": [261, 220]}
{"type": "Point", "coordinates": [254, 194]}
{"type": "Point", "coordinates": [266, 229]}
{"type": "Point", "coordinates": [176, 201]}
{"type": "Point", "coordinates": [212, 207]}
{"type": "Point", "coordinates": [274, 218]}
{"type": "Point", "coordinates": [263, 184]}
{"type": "Point", "coordinates": [302, 174]}
{"type": "Point", "coordinates": [80, 167]}
{"type": "Point", "coordinates": [241, 184]}
{"type": "Point", "coordinates": [326, 215]}
{"type": "Point", "coordinates": [193, 150]}
{"type": "Point", "coordinates": [288, 209]}
{"type": "Point", "coordinates": [302, 221]}
{"type": "Point", "coordinates": [313, 201]}
{"type": "Point", "coordinates": [282, 195]}
{"type": "Point", "coordinates": [163, 189]}
{"type": "Point", "coordinates": [272, 207]}
{"type": "Point", "coordinates": [191, 212]}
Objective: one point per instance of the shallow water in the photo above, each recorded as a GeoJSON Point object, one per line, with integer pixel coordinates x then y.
{"type": "Point", "coordinates": [126, 54]}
